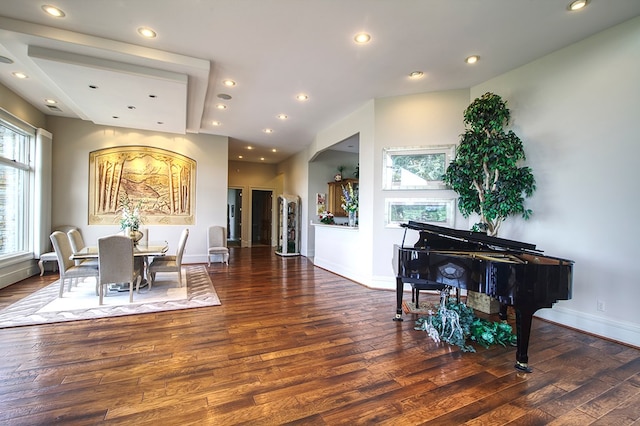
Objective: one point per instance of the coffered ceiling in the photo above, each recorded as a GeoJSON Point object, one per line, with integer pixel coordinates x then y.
{"type": "Point", "coordinates": [95, 66]}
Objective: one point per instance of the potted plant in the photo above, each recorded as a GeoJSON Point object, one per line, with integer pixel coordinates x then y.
{"type": "Point", "coordinates": [486, 172]}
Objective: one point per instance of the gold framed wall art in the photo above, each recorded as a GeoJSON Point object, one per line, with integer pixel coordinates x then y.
{"type": "Point", "coordinates": [161, 182]}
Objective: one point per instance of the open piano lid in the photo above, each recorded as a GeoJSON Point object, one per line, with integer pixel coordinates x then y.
{"type": "Point", "coordinates": [471, 237]}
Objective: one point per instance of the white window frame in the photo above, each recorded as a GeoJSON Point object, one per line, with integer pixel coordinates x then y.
{"type": "Point", "coordinates": [25, 252]}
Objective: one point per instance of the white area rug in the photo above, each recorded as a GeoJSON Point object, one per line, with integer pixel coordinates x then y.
{"type": "Point", "coordinates": [44, 306]}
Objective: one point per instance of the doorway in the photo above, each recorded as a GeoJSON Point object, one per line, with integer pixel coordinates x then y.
{"type": "Point", "coordinates": [234, 217]}
{"type": "Point", "coordinates": [261, 213]}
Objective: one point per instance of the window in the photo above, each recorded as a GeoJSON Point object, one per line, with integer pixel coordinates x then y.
{"type": "Point", "coordinates": [15, 183]}
{"type": "Point", "coordinates": [416, 167]}
{"type": "Point", "coordinates": [434, 211]}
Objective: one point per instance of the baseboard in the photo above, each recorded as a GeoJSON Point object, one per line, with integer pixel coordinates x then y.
{"type": "Point", "coordinates": [619, 331]}
{"type": "Point", "coordinates": [19, 272]}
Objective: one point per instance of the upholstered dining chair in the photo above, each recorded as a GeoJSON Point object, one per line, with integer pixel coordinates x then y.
{"type": "Point", "coordinates": [69, 271]}
{"type": "Point", "coordinates": [115, 263]}
{"type": "Point", "coordinates": [77, 244]}
{"type": "Point", "coordinates": [169, 263]}
{"type": "Point", "coordinates": [51, 256]}
{"type": "Point", "coordinates": [217, 243]}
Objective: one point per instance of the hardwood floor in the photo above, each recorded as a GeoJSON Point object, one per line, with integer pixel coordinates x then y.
{"type": "Point", "coordinates": [294, 344]}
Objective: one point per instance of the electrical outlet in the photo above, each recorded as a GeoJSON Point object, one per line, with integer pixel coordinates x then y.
{"type": "Point", "coordinates": [601, 306]}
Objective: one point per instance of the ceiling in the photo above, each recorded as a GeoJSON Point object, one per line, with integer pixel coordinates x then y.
{"type": "Point", "coordinates": [96, 66]}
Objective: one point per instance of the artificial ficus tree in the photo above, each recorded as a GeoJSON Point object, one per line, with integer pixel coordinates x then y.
{"type": "Point", "coordinates": [486, 172]}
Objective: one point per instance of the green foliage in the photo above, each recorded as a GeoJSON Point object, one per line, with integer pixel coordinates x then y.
{"type": "Point", "coordinates": [486, 172]}
{"type": "Point", "coordinates": [479, 330]}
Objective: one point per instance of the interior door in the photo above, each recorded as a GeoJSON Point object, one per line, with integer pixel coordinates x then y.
{"type": "Point", "coordinates": [234, 217]}
{"type": "Point", "coordinates": [261, 217]}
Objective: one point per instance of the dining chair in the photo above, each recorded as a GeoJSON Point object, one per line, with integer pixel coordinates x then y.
{"type": "Point", "coordinates": [115, 263]}
{"type": "Point", "coordinates": [169, 263]}
{"type": "Point", "coordinates": [69, 271]}
{"type": "Point", "coordinates": [77, 244]}
{"type": "Point", "coordinates": [51, 256]}
{"type": "Point", "coordinates": [217, 243]}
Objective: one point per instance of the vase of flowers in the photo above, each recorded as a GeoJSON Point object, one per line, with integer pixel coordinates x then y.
{"type": "Point", "coordinates": [131, 218]}
{"type": "Point", "coordinates": [350, 202]}
{"type": "Point", "coordinates": [327, 218]}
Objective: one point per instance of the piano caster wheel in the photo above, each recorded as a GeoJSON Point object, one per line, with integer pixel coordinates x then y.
{"type": "Point", "coordinates": [398, 317]}
{"type": "Point", "coordinates": [523, 367]}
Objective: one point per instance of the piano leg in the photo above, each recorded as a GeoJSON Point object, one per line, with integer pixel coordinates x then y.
{"type": "Point", "coordinates": [399, 291]}
{"type": "Point", "coordinates": [524, 317]}
{"type": "Point", "coordinates": [503, 311]}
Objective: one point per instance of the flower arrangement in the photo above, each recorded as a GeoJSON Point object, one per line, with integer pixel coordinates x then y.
{"type": "Point", "coordinates": [131, 217]}
{"type": "Point", "coordinates": [327, 218]}
{"type": "Point", "coordinates": [349, 198]}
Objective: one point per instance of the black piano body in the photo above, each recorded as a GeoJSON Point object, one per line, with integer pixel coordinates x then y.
{"type": "Point", "coordinates": [514, 273]}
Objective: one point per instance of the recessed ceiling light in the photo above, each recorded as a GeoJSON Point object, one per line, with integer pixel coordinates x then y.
{"type": "Point", "coordinates": [282, 116]}
{"type": "Point", "coordinates": [53, 11]}
{"type": "Point", "coordinates": [229, 83]}
{"type": "Point", "coordinates": [147, 32]}
{"type": "Point", "coordinates": [115, 116]}
{"type": "Point", "coordinates": [51, 101]}
{"type": "Point", "coordinates": [160, 122]}
{"type": "Point", "coordinates": [268, 130]}
{"type": "Point", "coordinates": [224, 96]}
{"type": "Point", "coordinates": [472, 59]}
{"type": "Point", "coordinates": [153, 96]}
{"type": "Point", "coordinates": [249, 147]}
{"type": "Point", "coordinates": [19, 74]}
{"type": "Point", "coordinates": [93, 86]}
{"type": "Point", "coordinates": [5, 60]}
{"type": "Point", "coordinates": [274, 150]}
{"type": "Point", "coordinates": [221, 106]}
{"type": "Point", "coordinates": [577, 5]}
{"type": "Point", "coordinates": [216, 123]}
{"type": "Point", "coordinates": [131, 107]}
{"type": "Point", "coordinates": [362, 38]}
{"type": "Point", "coordinates": [240, 156]}
{"type": "Point", "coordinates": [302, 97]}
{"type": "Point", "coordinates": [261, 158]}
{"type": "Point", "coordinates": [416, 74]}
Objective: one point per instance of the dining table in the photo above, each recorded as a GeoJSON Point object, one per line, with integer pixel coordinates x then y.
{"type": "Point", "coordinates": [142, 250]}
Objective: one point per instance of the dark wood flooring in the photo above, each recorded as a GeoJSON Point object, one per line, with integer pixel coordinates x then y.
{"type": "Point", "coordinates": [294, 344]}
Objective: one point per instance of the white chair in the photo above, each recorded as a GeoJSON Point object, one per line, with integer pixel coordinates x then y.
{"type": "Point", "coordinates": [77, 244]}
{"type": "Point", "coordinates": [115, 263]}
{"type": "Point", "coordinates": [51, 256]}
{"type": "Point", "coordinates": [68, 269]}
{"type": "Point", "coordinates": [217, 243]}
{"type": "Point", "coordinates": [169, 263]}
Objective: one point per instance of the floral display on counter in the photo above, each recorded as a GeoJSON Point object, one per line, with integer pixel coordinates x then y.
{"type": "Point", "coordinates": [327, 218]}
{"type": "Point", "coordinates": [349, 198]}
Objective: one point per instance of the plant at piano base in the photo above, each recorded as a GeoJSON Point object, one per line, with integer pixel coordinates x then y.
{"type": "Point", "coordinates": [486, 172]}
{"type": "Point", "coordinates": [455, 323]}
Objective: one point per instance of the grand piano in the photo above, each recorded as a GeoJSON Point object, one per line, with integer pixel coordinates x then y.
{"type": "Point", "coordinates": [515, 273]}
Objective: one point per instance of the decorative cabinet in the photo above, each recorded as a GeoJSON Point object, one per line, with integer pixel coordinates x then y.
{"type": "Point", "coordinates": [288, 225]}
{"type": "Point", "coordinates": [334, 199]}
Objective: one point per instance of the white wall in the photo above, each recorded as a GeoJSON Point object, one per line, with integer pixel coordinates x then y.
{"type": "Point", "coordinates": [358, 266]}
{"type": "Point", "coordinates": [577, 111]}
{"type": "Point", "coordinates": [74, 139]}
{"type": "Point", "coordinates": [424, 119]}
